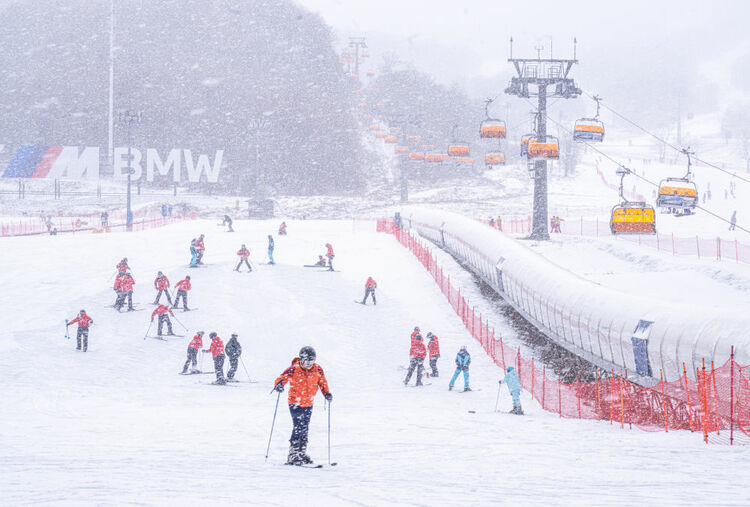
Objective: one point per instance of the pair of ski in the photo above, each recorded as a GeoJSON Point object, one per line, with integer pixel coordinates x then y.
{"type": "Point", "coordinates": [310, 465]}
{"type": "Point", "coordinates": [126, 310]}
{"type": "Point", "coordinates": [166, 340]}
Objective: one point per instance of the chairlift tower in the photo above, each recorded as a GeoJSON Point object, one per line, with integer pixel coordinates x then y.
{"type": "Point", "coordinates": [357, 43]}
{"type": "Point", "coordinates": [543, 73]}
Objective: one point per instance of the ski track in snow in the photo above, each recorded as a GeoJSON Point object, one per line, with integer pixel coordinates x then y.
{"type": "Point", "coordinates": [119, 425]}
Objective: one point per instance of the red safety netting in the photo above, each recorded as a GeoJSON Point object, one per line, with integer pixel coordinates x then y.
{"type": "Point", "coordinates": [714, 405]}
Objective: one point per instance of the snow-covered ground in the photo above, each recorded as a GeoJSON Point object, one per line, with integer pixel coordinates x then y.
{"type": "Point", "coordinates": [118, 425]}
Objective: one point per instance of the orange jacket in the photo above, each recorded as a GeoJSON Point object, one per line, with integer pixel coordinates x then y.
{"type": "Point", "coordinates": [303, 384]}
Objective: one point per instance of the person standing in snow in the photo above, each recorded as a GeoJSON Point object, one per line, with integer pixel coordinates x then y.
{"type": "Point", "coordinates": [433, 346]}
{"type": "Point", "coordinates": [183, 286]}
{"type": "Point", "coordinates": [417, 353]}
{"type": "Point", "coordinates": [330, 256]}
{"type": "Point", "coordinates": [217, 350]}
{"type": "Point", "coordinates": [228, 221]}
{"type": "Point", "coordinates": [161, 283]}
{"type": "Point", "coordinates": [192, 352]}
{"type": "Point", "coordinates": [122, 266]}
{"type": "Point", "coordinates": [370, 287]}
{"type": "Point", "coordinates": [733, 221]}
{"type": "Point", "coordinates": [321, 261]}
{"type": "Point", "coordinates": [244, 253]}
{"type": "Point", "coordinates": [270, 249]}
{"type": "Point", "coordinates": [162, 311]}
{"type": "Point", "coordinates": [463, 360]}
{"type": "Point", "coordinates": [120, 300]}
{"type": "Point", "coordinates": [282, 229]}
{"type": "Point", "coordinates": [304, 377]}
{"type": "Point", "coordinates": [200, 248]}
{"type": "Point", "coordinates": [234, 351]}
{"type": "Point", "coordinates": [514, 386]}
{"type": "Point", "coordinates": [105, 219]}
{"type": "Point", "coordinates": [126, 289]}
{"type": "Point", "coordinates": [193, 253]}
{"type": "Point", "coordinates": [83, 321]}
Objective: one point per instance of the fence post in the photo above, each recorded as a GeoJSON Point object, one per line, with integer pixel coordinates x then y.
{"type": "Point", "coordinates": [502, 352]}
{"type": "Point", "coordinates": [532, 377]}
{"type": "Point", "coordinates": [687, 393]}
{"type": "Point", "coordinates": [731, 397]}
{"type": "Point", "coordinates": [663, 402]}
{"type": "Point", "coordinates": [703, 400]}
{"type": "Point", "coordinates": [518, 361]}
{"type": "Point", "coordinates": [473, 318]}
{"type": "Point", "coordinates": [622, 405]}
{"type": "Point", "coordinates": [716, 399]}
{"type": "Point", "coordinates": [698, 246]}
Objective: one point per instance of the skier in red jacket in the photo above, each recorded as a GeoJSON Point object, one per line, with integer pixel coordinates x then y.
{"type": "Point", "coordinates": [304, 377]}
{"type": "Point", "coordinates": [183, 286]}
{"type": "Point", "coordinates": [161, 311]}
{"type": "Point", "coordinates": [417, 353]}
{"type": "Point", "coordinates": [126, 291]}
{"type": "Point", "coordinates": [244, 253]}
{"type": "Point", "coordinates": [282, 229]}
{"type": "Point", "coordinates": [192, 352]}
{"type": "Point", "coordinates": [370, 287]}
{"type": "Point", "coordinates": [434, 348]}
{"type": "Point", "coordinates": [201, 249]}
{"type": "Point", "coordinates": [83, 321]}
{"type": "Point", "coordinates": [161, 283]}
{"type": "Point", "coordinates": [120, 300]}
{"type": "Point", "coordinates": [330, 256]}
{"type": "Point", "coordinates": [217, 350]}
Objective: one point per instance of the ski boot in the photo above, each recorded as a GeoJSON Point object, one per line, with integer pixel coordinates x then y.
{"type": "Point", "coordinates": [467, 389]}
{"type": "Point", "coordinates": [306, 460]}
{"type": "Point", "coordinates": [294, 457]}
{"type": "Point", "coordinates": [450, 388]}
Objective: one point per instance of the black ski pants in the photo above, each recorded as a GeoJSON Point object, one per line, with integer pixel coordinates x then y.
{"type": "Point", "coordinates": [192, 357]}
{"type": "Point", "coordinates": [120, 300]}
{"type": "Point", "coordinates": [234, 362]}
{"type": "Point", "coordinates": [219, 369]}
{"type": "Point", "coordinates": [180, 294]}
{"type": "Point", "coordinates": [418, 363]}
{"type": "Point", "coordinates": [199, 256]}
{"type": "Point", "coordinates": [240, 264]}
{"type": "Point", "coordinates": [166, 293]}
{"type": "Point", "coordinates": [301, 421]}
{"type": "Point", "coordinates": [162, 319]}
{"type": "Point", "coordinates": [370, 292]}
{"type": "Point", "coordinates": [330, 262]}
{"type": "Point", "coordinates": [83, 334]}
{"type": "Point", "coordinates": [433, 364]}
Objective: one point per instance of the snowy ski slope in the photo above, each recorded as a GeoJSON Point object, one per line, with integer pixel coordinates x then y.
{"type": "Point", "coordinates": [118, 425]}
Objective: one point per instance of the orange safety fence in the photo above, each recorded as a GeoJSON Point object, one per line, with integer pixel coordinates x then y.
{"type": "Point", "coordinates": [712, 401]}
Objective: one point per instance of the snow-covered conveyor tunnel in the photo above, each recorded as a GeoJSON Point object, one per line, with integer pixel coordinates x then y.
{"type": "Point", "coordinates": [118, 425]}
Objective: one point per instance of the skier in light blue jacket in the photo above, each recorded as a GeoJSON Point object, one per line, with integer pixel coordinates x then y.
{"type": "Point", "coordinates": [514, 386]}
{"type": "Point", "coordinates": [463, 360]}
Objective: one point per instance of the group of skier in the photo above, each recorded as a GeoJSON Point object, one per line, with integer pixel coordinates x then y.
{"type": "Point", "coordinates": [218, 350]}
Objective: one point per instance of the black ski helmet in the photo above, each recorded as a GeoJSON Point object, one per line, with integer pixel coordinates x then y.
{"type": "Point", "coordinates": [416, 328]}
{"type": "Point", "coordinates": [187, 277]}
{"type": "Point", "coordinates": [83, 311]}
{"type": "Point", "coordinates": [307, 353]}
{"type": "Point", "coordinates": [234, 335]}
{"type": "Point", "coordinates": [212, 335]}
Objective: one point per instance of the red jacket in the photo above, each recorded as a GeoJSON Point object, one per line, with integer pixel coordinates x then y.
{"type": "Point", "coordinates": [161, 282]}
{"type": "Point", "coordinates": [82, 321]}
{"type": "Point", "coordinates": [199, 244]}
{"type": "Point", "coordinates": [330, 251]}
{"type": "Point", "coordinates": [126, 284]}
{"type": "Point", "coordinates": [371, 283]}
{"type": "Point", "coordinates": [433, 346]}
{"type": "Point", "coordinates": [417, 349]}
{"type": "Point", "coordinates": [217, 347]}
{"type": "Point", "coordinates": [122, 266]}
{"type": "Point", "coordinates": [183, 285]}
{"type": "Point", "coordinates": [282, 227]}
{"type": "Point", "coordinates": [118, 281]}
{"type": "Point", "coordinates": [161, 310]}
{"type": "Point", "coordinates": [197, 342]}
{"type": "Point", "coordinates": [244, 253]}
{"type": "Point", "coordinates": [303, 384]}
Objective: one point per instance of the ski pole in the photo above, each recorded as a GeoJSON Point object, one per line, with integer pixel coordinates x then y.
{"type": "Point", "coordinates": [273, 423]}
{"type": "Point", "coordinates": [66, 330]}
{"type": "Point", "coordinates": [329, 432]}
{"type": "Point", "coordinates": [243, 367]}
{"type": "Point", "coordinates": [147, 330]}
{"type": "Point", "coordinates": [498, 395]}
{"type": "Point", "coordinates": [178, 321]}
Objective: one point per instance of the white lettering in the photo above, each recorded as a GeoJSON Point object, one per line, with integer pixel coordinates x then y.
{"type": "Point", "coordinates": [194, 171]}
{"type": "Point", "coordinates": [120, 163]}
{"type": "Point", "coordinates": [154, 161]}
{"type": "Point", "coordinates": [70, 165]}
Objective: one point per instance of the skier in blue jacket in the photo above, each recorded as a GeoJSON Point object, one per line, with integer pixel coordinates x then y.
{"type": "Point", "coordinates": [514, 386]}
{"type": "Point", "coordinates": [463, 359]}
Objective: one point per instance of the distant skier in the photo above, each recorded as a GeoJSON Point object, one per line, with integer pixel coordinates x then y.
{"type": "Point", "coordinates": [433, 346]}
{"type": "Point", "coordinates": [228, 221]}
{"type": "Point", "coordinates": [321, 261]}
{"type": "Point", "coordinates": [83, 321]}
{"type": "Point", "coordinates": [463, 360]}
{"type": "Point", "coordinates": [417, 353]}
{"type": "Point", "coordinates": [733, 221]}
{"type": "Point", "coordinates": [370, 287]}
{"type": "Point", "coordinates": [244, 253]}
{"type": "Point", "coordinates": [270, 249]}
{"type": "Point", "coordinates": [192, 352]}
{"type": "Point", "coordinates": [162, 311]}
{"type": "Point", "coordinates": [201, 249]}
{"type": "Point", "coordinates": [183, 286]}
{"type": "Point", "coordinates": [217, 350]}
{"type": "Point", "coordinates": [234, 351]}
{"type": "Point", "coordinates": [126, 289]}
{"type": "Point", "coordinates": [105, 219]}
{"type": "Point", "coordinates": [161, 283]}
{"type": "Point", "coordinates": [122, 266]}
{"type": "Point", "coordinates": [514, 386]}
{"type": "Point", "coordinates": [304, 377]}
{"type": "Point", "coordinates": [193, 253]}
{"type": "Point", "coordinates": [330, 256]}
{"type": "Point", "coordinates": [282, 229]}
